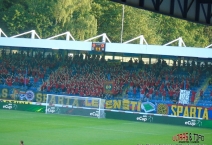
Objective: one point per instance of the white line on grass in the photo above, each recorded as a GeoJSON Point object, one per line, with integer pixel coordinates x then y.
{"type": "Point", "coordinates": [207, 133]}
{"type": "Point", "coordinates": [131, 123]}
{"type": "Point", "coordinates": [123, 131]}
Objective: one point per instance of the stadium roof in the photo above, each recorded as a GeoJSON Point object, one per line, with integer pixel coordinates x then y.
{"type": "Point", "coordinates": [199, 11]}
{"type": "Point", "coordinates": [142, 48]}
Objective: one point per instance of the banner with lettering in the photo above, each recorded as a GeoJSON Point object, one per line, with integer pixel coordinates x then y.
{"type": "Point", "coordinates": [18, 94]}
{"type": "Point", "coordinates": [21, 106]}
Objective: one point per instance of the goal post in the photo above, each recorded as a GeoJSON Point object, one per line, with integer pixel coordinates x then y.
{"type": "Point", "coordinates": [75, 105]}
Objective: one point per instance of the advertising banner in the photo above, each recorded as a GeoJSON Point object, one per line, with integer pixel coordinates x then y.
{"type": "Point", "coordinates": [73, 111]}
{"type": "Point", "coordinates": [10, 93]}
{"type": "Point", "coordinates": [159, 119]}
{"type": "Point", "coordinates": [129, 116]}
{"type": "Point", "coordinates": [164, 109]}
{"type": "Point", "coordinates": [22, 107]}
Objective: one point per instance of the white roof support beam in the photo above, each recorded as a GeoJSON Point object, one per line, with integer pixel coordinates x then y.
{"type": "Point", "coordinates": [32, 32]}
{"type": "Point", "coordinates": [209, 46]}
{"type": "Point", "coordinates": [104, 38]}
{"type": "Point", "coordinates": [142, 40]}
{"type": "Point", "coordinates": [68, 35]}
{"type": "Point", "coordinates": [180, 42]}
{"type": "Point", "coordinates": [2, 32]}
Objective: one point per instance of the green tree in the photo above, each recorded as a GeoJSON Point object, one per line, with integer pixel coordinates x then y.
{"type": "Point", "coordinates": [208, 32]}
{"type": "Point", "coordinates": [87, 18]}
{"type": "Point", "coordinates": [170, 28]}
{"type": "Point", "coordinates": [136, 22]}
{"type": "Point", "coordinates": [82, 24]}
{"type": "Point", "coordinates": [14, 18]}
{"type": "Point", "coordinates": [48, 18]}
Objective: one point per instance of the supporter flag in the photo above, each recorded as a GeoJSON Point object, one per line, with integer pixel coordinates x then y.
{"type": "Point", "coordinates": [89, 101]}
{"type": "Point", "coordinates": [22, 95]}
{"type": "Point", "coordinates": [108, 87]}
{"type": "Point", "coordinates": [184, 96]}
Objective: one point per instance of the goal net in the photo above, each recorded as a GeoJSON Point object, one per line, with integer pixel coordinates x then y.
{"type": "Point", "coordinates": [74, 105]}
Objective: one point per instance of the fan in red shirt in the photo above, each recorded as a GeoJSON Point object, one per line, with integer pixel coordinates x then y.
{"type": "Point", "coordinates": [26, 81]}
{"type": "Point", "coordinates": [156, 94]}
{"type": "Point", "coordinates": [131, 85]}
{"type": "Point", "coordinates": [35, 79]}
{"type": "Point", "coordinates": [68, 89]}
{"type": "Point", "coordinates": [177, 92]}
{"type": "Point", "coordinates": [72, 91]}
{"type": "Point", "coordinates": [211, 95]}
{"type": "Point", "coordinates": [157, 84]}
{"type": "Point", "coordinates": [62, 87]}
{"type": "Point", "coordinates": [87, 93]}
{"type": "Point", "coordinates": [76, 91]}
{"type": "Point", "coordinates": [150, 92]}
{"type": "Point", "coordinates": [21, 81]}
{"type": "Point", "coordinates": [93, 93]}
{"type": "Point", "coordinates": [49, 86]}
{"type": "Point", "coordinates": [187, 85]}
{"type": "Point", "coordinates": [193, 94]}
{"type": "Point", "coordinates": [56, 85]}
{"type": "Point", "coordinates": [147, 97]}
{"type": "Point", "coordinates": [43, 87]}
{"type": "Point", "coordinates": [201, 94]}
{"type": "Point", "coordinates": [171, 93]}
{"type": "Point", "coordinates": [166, 79]}
{"type": "Point", "coordinates": [9, 81]}
{"type": "Point", "coordinates": [142, 92]}
{"type": "Point", "coordinates": [16, 80]}
{"type": "Point", "coordinates": [134, 91]}
{"type": "Point", "coordinates": [81, 92]}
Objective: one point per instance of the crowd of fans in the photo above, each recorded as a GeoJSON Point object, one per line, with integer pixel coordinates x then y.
{"type": "Point", "coordinates": [162, 80]}
{"type": "Point", "coordinates": [21, 69]}
{"type": "Point", "coordinates": [84, 75]}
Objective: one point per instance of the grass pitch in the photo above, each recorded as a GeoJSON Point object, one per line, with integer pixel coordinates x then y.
{"type": "Point", "coordinates": [42, 129]}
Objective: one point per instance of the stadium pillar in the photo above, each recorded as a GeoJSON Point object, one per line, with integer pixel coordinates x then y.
{"type": "Point", "coordinates": [179, 61]}
{"type": "Point", "coordinates": [63, 54]}
{"type": "Point", "coordinates": [10, 50]}
{"type": "Point", "coordinates": [44, 51]}
{"type": "Point", "coordinates": [150, 60]}
{"type": "Point", "coordinates": [113, 56]}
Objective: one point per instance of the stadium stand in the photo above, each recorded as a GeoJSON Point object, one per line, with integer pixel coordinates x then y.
{"type": "Point", "coordinates": [84, 74]}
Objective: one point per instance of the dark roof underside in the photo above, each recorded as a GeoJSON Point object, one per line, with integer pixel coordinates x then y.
{"type": "Point", "coordinates": [198, 11]}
